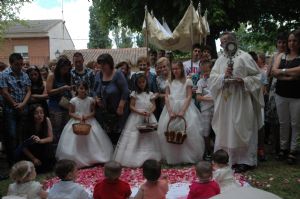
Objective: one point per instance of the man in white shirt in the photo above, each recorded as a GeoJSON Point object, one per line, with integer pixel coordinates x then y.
{"type": "Point", "coordinates": [194, 68]}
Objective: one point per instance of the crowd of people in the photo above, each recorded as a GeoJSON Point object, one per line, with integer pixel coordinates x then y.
{"type": "Point", "coordinates": [193, 107]}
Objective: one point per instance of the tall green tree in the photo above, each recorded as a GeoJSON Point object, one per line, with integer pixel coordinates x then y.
{"type": "Point", "coordinates": [98, 36]}
{"type": "Point", "coordinates": [222, 15]}
{"type": "Point", "coordinates": [9, 10]}
{"type": "Point", "coordinates": [122, 36]}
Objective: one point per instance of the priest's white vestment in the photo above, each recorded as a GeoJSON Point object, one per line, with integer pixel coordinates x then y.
{"type": "Point", "coordinates": [237, 115]}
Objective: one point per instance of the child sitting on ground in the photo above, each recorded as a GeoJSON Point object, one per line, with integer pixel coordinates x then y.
{"type": "Point", "coordinates": [112, 186]}
{"type": "Point", "coordinates": [23, 174]}
{"type": "Point", "coordinates": [205, 187]}
{"type": "Point", "coordinates": [153, 188]}
{"type": "Point", "coordinates": [223, 173]}
{"type": "Point", "coordinates": [67, 189]}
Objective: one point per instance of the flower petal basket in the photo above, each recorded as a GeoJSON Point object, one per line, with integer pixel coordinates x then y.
{"type": "Point", "coordinates": [147, 127]}
{"type": "Point", "coordinates": [81, 128]}
{"type": "Point", "coordinates": [176, 136]}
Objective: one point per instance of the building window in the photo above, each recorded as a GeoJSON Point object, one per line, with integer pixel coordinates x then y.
{"type": "Point", "coordinates": [23, 50]}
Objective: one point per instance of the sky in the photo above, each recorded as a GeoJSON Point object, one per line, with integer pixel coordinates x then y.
{"type": "Point", "coordinates": [75, 14]}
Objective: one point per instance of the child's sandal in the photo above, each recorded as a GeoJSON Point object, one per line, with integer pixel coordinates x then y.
{"type": "Point", "coordinates": [291, 158]}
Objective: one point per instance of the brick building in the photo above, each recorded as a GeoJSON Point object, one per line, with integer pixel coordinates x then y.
{"type": "Point", "coordinates": [37, 40]}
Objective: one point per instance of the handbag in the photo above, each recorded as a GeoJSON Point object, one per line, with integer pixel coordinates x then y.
{"type": "Point", "coordinates": [64, 102]}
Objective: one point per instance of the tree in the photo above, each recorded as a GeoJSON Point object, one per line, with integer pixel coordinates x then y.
{"type": "Point", "coordinates": [98, 36]}
{"type": "Point", "coordinates": [257, 41]}
{"type": "Point", "coordinates": [9, 10]}
{"type": "Point", "coordinates": [122, 36]}
{"type": "Point", "coordinates": [222, 15]}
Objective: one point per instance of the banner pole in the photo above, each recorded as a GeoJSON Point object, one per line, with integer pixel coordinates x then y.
{"type": "Point", "coordinates": [192, 36]}
{"type": "Point", "coordinates": [146, 21]}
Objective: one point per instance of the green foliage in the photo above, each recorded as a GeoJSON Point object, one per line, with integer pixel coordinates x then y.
{"type": "Point", "coordinates": [257, 41]}
{"type": "Point", "coordinates": [98, 36]}
{"type": "Point", "coordinates": [8, 13]}
{"type": "Point", "coordinates": [222, 15]}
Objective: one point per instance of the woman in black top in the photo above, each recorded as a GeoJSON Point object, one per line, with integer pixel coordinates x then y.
{"type": "Point", "coordinates": [38, 89]}
{"type": "Point", "coordinates": [287, 71]}
{"type": "Point", "coordinates": [37, 140]}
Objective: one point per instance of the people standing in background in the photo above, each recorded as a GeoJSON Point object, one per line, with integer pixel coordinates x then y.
{"type": "Point", "coordinates": [160, 54]}
{"type": "Point", "coordinates": [44, 73]}
{"type": "Point", "coordinates": [124, 66]}
{"type": "Point", "coordinates": [144, 67]}
{"type": "Point", "coordinates": [38, 89]}
{"type": "Point", "coordinates": [192, 68]}
{"type": "Point", "coordinates": [163, 66]}
{"type": "Point", "coordinates": [59, 89]}
{"type": "Point", "coordinates": [112, 94]}
{"type": "Point", "coordinates": [153, 60]}
{"type": "Point", "coordinates": [287, 71]}
{"type": "Point", "coordinates": [52, 65]}
{"type": "Point", "coordinates": [80, 73]}
{"type": "Point", "coordinates": [15, 87]}
{"type": "Point", "coordinates": [272, 122]}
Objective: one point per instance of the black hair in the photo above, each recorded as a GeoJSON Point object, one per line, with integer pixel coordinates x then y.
{"type": "Point", "coordinates": [282, 36]}
{"type": "Point", "coordinates": [206, 47]}
{"type": "Point", "coordinates": [196, 45]}
{"type": "Point", "coordinates": [64, 167]}
{"type": "Point", "coordinates": [253, 55]}
{"type": "Point", "coordinates": [82, 83]}
{"type": "Point", "coordinates": [119, 65]}
{"type": "Point", "coordinates": [151, 170]}
{"type": "Point", "coordinates": [106, 59]}
{"type": "Point", "coordinates": [15, 57]}
{"type": "Point", "coordinates": [220, 157]}
{"type": "Point", "coordinates": [43, 132]}
{"type": "Point", "coordinates": [152, 51]}
{"type": "Point", "coordinates": [77, 54]}
{"type": "Point", "coordinates": [39, 82]}
{"type": "Point", "coordinates": [62, 62]}
{"type": "Point", "coordinates": [138, 89]}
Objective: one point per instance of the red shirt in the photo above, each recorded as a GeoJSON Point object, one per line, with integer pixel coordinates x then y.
{"type": "Point", "coordinates": [203, 190]}
{"type": "Point", "coordinates": [116, 189]}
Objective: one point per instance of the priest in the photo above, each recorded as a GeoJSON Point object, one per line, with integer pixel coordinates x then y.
{"type": "Point", "coordinates": [238, 99]}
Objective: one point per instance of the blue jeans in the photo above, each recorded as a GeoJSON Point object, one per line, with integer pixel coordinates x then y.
{"type": "Point", "coordinates": [15, 126]}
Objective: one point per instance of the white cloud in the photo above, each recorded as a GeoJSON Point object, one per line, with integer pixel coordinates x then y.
{"type": "Point", "coordinates": [76, 16]}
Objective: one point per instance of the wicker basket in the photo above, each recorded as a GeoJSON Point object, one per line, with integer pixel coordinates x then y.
{"type": "Point", "coordinates": [81, 128]}
{"type": "Point", "coordinates": [147, 127]}
{"type": "Point", "coordinates": [176, 137]}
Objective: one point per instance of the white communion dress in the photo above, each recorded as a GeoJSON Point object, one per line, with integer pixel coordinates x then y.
{"type": "Point", "coordinates": [85, 150]}
{"type": "Point", "coordinates": [134, 147]}
{"type": "Point", "coordinates": [192, 148]}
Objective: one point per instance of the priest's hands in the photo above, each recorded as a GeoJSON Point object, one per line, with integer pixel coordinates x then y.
{"type": "Point", "coordinates": [228, 72]}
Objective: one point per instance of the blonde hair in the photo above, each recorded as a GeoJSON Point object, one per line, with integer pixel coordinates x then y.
{"type": "Point", "coordinates": [163, 60]}
{"type": "Point", "coordinates": [21, 171]}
